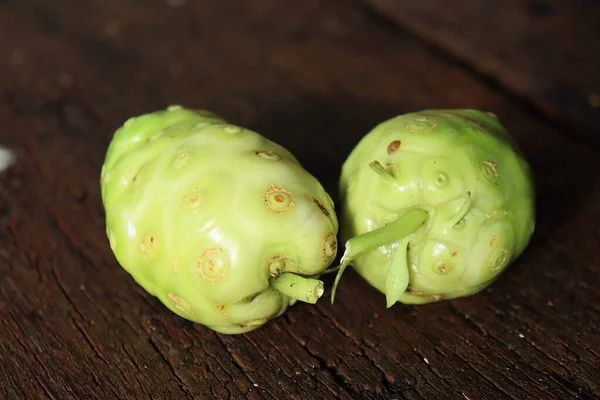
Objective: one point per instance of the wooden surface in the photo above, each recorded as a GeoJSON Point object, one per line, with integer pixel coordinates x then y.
{"type": "Point", "coordinates": [539, 53]}
{"type": "Point", "coordinates": [313, 76]}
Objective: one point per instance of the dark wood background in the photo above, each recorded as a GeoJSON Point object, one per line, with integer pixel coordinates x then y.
{"type": "Point", "coordinates": [314, 76]}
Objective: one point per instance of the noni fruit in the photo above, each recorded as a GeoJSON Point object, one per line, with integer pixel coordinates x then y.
{"type": "Point", "coordinates": [436, 204]}
{"type": "Point", "coordinates": [224, 226]}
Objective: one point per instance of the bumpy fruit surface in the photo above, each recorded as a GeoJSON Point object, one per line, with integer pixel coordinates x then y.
{"type": "Point", "coordinates": [436, 204]}
{"type": "Point", "coordinates": [222, 225]}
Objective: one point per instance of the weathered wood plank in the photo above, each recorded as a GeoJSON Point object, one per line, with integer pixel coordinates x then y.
{"type": "Point", "coordinates": [544, 53]}
{"type": "Point", "coordinates": [74, 325]}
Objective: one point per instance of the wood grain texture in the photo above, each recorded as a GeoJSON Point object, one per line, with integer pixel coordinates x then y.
{"type": "Point", "coordinates": [313, 76]}
{"type": "Point", "coordinates": [543, 53]}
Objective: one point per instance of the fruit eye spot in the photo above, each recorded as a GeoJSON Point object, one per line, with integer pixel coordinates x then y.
{"type": "Point", "coordinates": [329, 247]}
{"type": "Point", "coordinates": [489, 171]}
{"type": "Point", "coordinates": [420, 125]}
{"type": "Point", "coordinates": [232, 129]}
{"type": "Point", "coordinates": [276, 265]}
{"type": "Point", "coordinates": [192, 202]}
{"type": "Point", "coordinates": [318, 204]}
{"type": "Point", "coordinates": [393, 147]}
{"type": "Point", "coordinates": [479, 127]}
{"type": "Point", "coordinates": [212, 265]}
{"type": "Point", "coordinates": [498, 260]}
{"type": "Point", "coordinates": [182, 159]}
{"type": "Point", "coordinates": [142, 172]}
{"type": "Point", "coordinates": [351, 184]}
{"type": "Point", "coordinates": [181, 304]}
{"type": "Point", "coordinates": [148, 247]}
{"type": "Point", "coordinates": [278, 199]}
{"type": "Point", "coordinates": [442, 268]}
{"type": "Point", "coordinates": [497, 214]}
{"type": "Point", "coordinates": [441, 179]}
{"type": "Point", "coordinates": [268, 155]}
{"type": "Point", "coordinates": [156, 136]}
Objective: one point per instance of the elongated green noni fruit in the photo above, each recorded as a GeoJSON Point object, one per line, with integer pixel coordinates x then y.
{"type": "Point", "coordinates": [436, 204]}
{"type": "Point", "coordinates": [224, 226]}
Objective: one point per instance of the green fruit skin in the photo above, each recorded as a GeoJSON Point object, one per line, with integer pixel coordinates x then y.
{"type": "Point", "coordinates": [437, 156]}
{"type": "Point", "coordinates": [199, 211]}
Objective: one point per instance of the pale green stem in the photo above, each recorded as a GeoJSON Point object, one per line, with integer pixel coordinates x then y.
{"type": "Point", "coordinates": [397, 277]}
{"type": "Point", "coordinates": [391, 233]}
{"type": "Point", "coordinates": [462, 211]}
{"type": "Point", "coordinates": [381, 171]}
{"type": "Point", "coordinates": [298, 287]}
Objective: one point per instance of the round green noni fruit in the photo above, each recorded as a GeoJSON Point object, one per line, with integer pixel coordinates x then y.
{"type": "Point", "coordinates": [436, 204]}
{"type": "Point", "coordinates": [224, 226]}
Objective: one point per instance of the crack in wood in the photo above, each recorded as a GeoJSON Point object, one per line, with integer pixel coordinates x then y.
{"type": "Point", "coordinates": [440, 392]}
{"type": "Point", "coordinates": [394, 387]}
{"type": "Point", "coordinates": [323, 364]}
{"type": "Point", "coordinates": [170, 366]}
{"type": "Point", "coordinates": [512, 350]}
{"type": "Point", "coordinates": [42, 384]}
